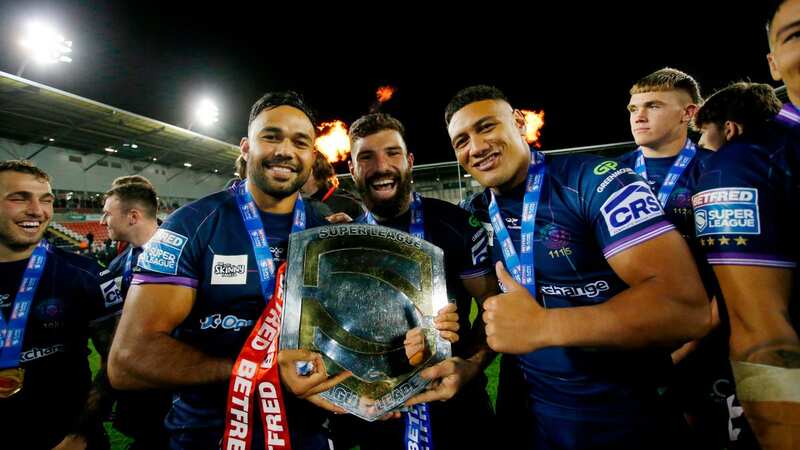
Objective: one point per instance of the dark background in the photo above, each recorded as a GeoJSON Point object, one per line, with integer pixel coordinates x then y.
{"type": "Point", "coordinates": [575, 62]}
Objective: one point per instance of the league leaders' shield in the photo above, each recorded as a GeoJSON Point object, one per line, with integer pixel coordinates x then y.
{"type": "Point", "coordinates": [352, 292]}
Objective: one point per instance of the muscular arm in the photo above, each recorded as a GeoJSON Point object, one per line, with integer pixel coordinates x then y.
{"type": "Point", "coordinates": [758, 301]}
{"type": "Point", "coordinates": [761, 333]}
{"type": "Point", "coordinates": [144, 355]}
{"type": "Point", "coordinates": [664, 305]}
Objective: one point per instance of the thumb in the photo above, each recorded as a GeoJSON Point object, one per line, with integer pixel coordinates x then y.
{"type": "Point", "coordinates": [506, 279]}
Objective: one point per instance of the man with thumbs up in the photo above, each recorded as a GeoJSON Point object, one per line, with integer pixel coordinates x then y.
{"type": "Point", "coordinates": [598, 285]}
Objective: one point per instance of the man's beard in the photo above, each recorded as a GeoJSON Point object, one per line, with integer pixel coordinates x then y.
{"type": "Point", "coordinates": [278, 190]}
{"type": "Point", "coordinates": [386, 208]}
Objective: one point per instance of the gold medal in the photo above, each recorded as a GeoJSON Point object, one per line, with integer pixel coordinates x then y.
{"type": "Point", "coordinates": [11, 381]}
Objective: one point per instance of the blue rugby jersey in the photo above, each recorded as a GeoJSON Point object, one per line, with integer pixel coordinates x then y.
{"type": "Point", "coordinates": [679, 205]}
{"type": "Point", "coordinates": [204, 245]}
{"type": "Point", "coordinates": [69, 301]}
{"type": "Point", "coordinates": [744, 208]}
{"type": "Point", "coordinates": [590, 210]}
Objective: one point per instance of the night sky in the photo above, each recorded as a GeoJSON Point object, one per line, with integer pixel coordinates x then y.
{"type": "Point", "coordinates": [576, 63]}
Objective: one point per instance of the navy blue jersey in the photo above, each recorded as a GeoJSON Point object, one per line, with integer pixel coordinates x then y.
{"type": "Point", "coordinates": [701, 379]}
{"type": "Point", "coordinates": [68, 303]}
{"type": "Point", "coordinates": [204, 245]}
{"type": "Point", "coordinates": [744, 207]}
{"type": "Point", "coordinates": [116, 268]}
{"type": "Point", "coordinates": [679, 205]}
{"type": "Point", "coordinates": [138, 414]}
{"type": "Point", "coordinates": [590, 210]}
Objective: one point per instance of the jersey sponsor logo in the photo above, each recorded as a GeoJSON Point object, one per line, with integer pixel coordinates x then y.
{"type": "Point", "coordinates": [604, 184]}
{"type": "Point", "coordinates": [111, 292]}
{"type": "Point", "coordinates": [5, 300]}
{"type": "Point", "coordinates": [629, 206]}
{"type": "Point", "coordinates": [36, 353]}
{"type": "Point", "coordinates": [605, 167]}
{"type": "Point", "coordinates": [474, 222]}
{"type": "Point", "coordinates": [726, 211]}
{"type": "Point", "coordinates": [162, 253]}
{"type": "Point", "coordinates": [229, 269]}
{"type": "Point", "coordinates": [228, 322]}
{"type": "Point", "coordinates": [590, 290]}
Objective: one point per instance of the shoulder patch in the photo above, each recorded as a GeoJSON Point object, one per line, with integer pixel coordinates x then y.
{"type": "Point", "coordinates": [162, 253]}
{"type": "Point", "coordinates": [726, 211]}
{"type": "Point", "coordinates": [629, 206]}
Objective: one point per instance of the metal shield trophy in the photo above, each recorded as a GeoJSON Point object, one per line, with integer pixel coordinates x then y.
{"type": "Point", "coordinates": [352, 292]}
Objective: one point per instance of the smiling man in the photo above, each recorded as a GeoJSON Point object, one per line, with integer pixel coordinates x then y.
{"type": "Point", "coordinates": [201, 285]}
{"type": "Point", "coordinates": [381, 167]}
{"type": "Point", "coordinates": [51, 302]}
{"type": "Point", "coordinates": [661, 107]}
{"type": "Point", "coordinates": [599, 283]}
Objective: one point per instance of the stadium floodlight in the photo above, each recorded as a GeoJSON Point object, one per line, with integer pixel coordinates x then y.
{"type": "Point", "coordinates": [205, 114]}
{"type": "Point", "coordinates": [110, 150]}
{"type": "Point", "coordinates": [186, 164]}
{"type": "Point", "coordinates": [44, 45]}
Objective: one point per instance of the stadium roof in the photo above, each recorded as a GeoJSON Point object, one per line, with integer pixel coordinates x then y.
{"type": "Point", "coordinates": [32, 113]}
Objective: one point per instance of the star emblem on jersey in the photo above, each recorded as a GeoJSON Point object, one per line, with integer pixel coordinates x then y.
{"type": "Point", "coordinates": [724, 241]}
{"type": "Point", "coordinates": [740, 241]}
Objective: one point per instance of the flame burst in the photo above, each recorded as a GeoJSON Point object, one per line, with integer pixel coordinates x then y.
{"type": "Point", "coordinates": [384, 93]}
{"type": "Point", "coordinates": [333, 141]}
{"type": "Point", "coordinates": [534, 121]}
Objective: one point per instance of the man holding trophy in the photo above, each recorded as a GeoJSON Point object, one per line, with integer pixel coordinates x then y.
{"type": "Point", "coordinates": [381, 166]}
{"type": "Point", "coordinates": [209, 286]}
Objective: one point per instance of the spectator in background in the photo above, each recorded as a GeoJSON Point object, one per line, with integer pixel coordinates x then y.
{"type": "Point", "coordinates": [323, 186]}
{"type": "Point", "coordinates": [733, 110]}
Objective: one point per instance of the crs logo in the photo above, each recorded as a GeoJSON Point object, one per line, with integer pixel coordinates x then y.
{"type": "Point", "coordinates": [229, 322]}
{"type": "Point", "coordinates": [605, 167]}
{"type": "Point", "coordinates": [630, 206]}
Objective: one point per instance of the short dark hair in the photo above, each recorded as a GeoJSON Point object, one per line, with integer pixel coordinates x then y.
{"type": "Point", "coordinates": [272, 100]}
{"type": "Point", "coordinates": [469, 95]}
{"type": "Point", "coordinates": [323, 173]}
{"type": "Point", "coordinates": [748, 104]}
{"type": "Point", "coordinates": [139, 194]}
{"type": "Point", "coordinates": [668, 79]}
{"type": "Point", "coordinates": [373, 123]}
{"type": "Point", "coordinates": [23, 166]}
{"type": "Point", "coordinates": [128, 179]}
